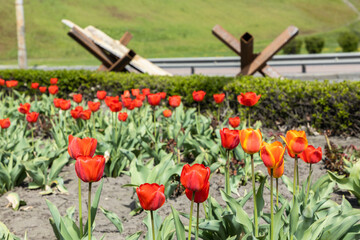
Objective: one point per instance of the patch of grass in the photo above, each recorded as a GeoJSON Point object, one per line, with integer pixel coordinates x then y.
{"type": "Point", "coordinates": [164, 28]}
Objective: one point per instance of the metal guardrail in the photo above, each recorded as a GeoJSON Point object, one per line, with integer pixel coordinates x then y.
{"type": "Point", "coordinates": [278, 60]}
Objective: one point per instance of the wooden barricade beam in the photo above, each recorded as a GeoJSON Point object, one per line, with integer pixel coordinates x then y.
{"type": "Point", "coordinates": [250, 62]}
{"type": "Point", "coordinates": [121, 63]}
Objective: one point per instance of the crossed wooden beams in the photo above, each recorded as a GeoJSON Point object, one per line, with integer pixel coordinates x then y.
{"type": "Point", "coordinates": [251, 62]}
{"type": "Point", "coordinates": [109, 61]}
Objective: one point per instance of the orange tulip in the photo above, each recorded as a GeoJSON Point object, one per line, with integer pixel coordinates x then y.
{"type": "Point", "coordinates": [277, 171]}
{"type": "Point", "coordinates": [296, 141]}
{"type": "Point", "coordinates": [90, 169]}
{"type": "Point", "coordinates": [311, 155]}
{"type": "Point", "coordinates": [167, 113]}
{"type": "Point", "coordinates": [250, 140]}
{"type": "Point", "coordinates": [272, 154]}
{"type": "Point", "coordinates": [126, 93]}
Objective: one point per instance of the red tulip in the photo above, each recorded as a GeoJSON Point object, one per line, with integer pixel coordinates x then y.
{"type": "Point", "coordinates": [53, 89]}
{"type": "Point", "coordinates": [115, 106]}
{"type": "Point", "coordinates": [90, 169]}
{"type": "Point", "coordinates": [146, 91]}
{"type": "Point", "coordinates": [94, 106]}
{"type": "Point", "coordinates": [24, 108]}
{"type": "Point", "coordinates": [109, 100]}
{"type": "Point", "coordinates": [131, 105]}
{"type": "Point", "coordinates": [11, 83]}
{"type": "Point", "coordinates": [2, 82]}
{"type": "Point", "coordinates": [135, 92]}
{"type": "Point", "coordinates": [175, 101]}
{"type": "Point", "coordinates": [198, 96]}
{"type": "Point", "coordinates": [248, 99]}
{"type": "Point", "coordinates": [85, 115]}
{"type": "Point", "coordinates": [151, 196]}
{"type": "Point", "coordinates": [296, 142]}
{"type": "Point", "coordinates": [42, 89]}
{"type": "Point", "coordinates": [34, 85]}
{"type": "Point", "coordinates": [126, 101]}
{"type": "Point", "coordinates": [195, 177]}
{"type": "Point", "coordinates": [101, 95]}
{"type": "Point", "coordinates": [32, 117]}
{"type": "Point", "coordinates": [81, 147]}
{"type": "Point", "coordinates": [77, 98]}
{"type": "Point", "coordinates": [163, 95]}
{"type": "Point", "coordinates": [219, 98]}
{"type": "Point", "coordinates": [272, 154]}
{"type": "Point", "coordinates": [311, 155]}
{"type": "Point", "coordinates": [138, 103]}
{"type": "Point", "coordinates": [5, 123]}
{"type": "Point", "coordinates": [200, 196]}
{"type": "Point", "coordinates": [53, 81]}
{"type": "Point", "coordinates": [154, 99]}
{"type": "Point", "coordinates": [229, 138]}
{"type": "Point", "coordinates": [141, 97]}
{"type": "Point", "coordinates": [57, 102]}
{"type": "Point", "coordinates": [122, 116]}
{"type": "Point", "coordinates": [75, 113]}
{"type": "Point", "coordinates": [234, 122]}
{"type": "Point", "coordinates": [65, 104]}
{"type": "Point", "coordinates": [167, 113]}
{"type": "Point", "coordinates": [250, 140]}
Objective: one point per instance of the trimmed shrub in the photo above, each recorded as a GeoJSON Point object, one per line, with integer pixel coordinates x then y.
{"type": "Point", "coordinates": [314, 44]}
{"type": "Point", "coordinates": [321, 104]}
{"type": "Point", "coordinates": [293, 47]}
{"type": "Point", "coordinates": [348, 42]}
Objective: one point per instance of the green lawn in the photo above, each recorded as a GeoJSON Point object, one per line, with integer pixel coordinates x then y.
{"type": "Point", "coordinates": [167, 28]}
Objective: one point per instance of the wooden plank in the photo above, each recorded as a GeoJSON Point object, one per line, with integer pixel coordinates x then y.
{"type": "Point", "coordinates": [121, 63]}
{"type": "Point", "coordinates": [119, 50]}
{"type": "Point", "coordinates": [84, 41]}
{"type": "Point", "coordinates": [227, 38]}
{"type": "Point", "coordinates": [270, 51]}
{"type": "Point", "coordinates": [125, 39]}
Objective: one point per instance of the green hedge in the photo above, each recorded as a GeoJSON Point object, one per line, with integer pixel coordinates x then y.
{"type": "Point", "coordinates": [323, 105]}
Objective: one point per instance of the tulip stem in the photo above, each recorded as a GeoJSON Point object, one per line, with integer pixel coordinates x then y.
{"type": "Point", "coordinates": [294, 183]}
{"type": "Point", "coordinates": [297, 176]}
{"type": "Point", "coordinates": [277, 192]}
{"type": "Point", "coordinates": [254, 194]}
{"type": "Point", "coordinates": [94, 127]}
{"type": "Point", "coordinates": [206, 216]}
{"type": "Point", "coordinates": [152, 224]}
{"type": "Point", "coordinates": [191, 212]}
{"type": "Point", "coordinates": [197, 222]}
{"type": "Point", "coordinates": [32, 139]}
{"type": "Point", "coordinates": [178, 155]}
{"type": "Point", "coordinates": [308, 185]}
{"type": "Point", "coordinates": [89, 212]}
{"type": "Point", "coordinates": [219, 114]}
{"type": "Point", "coordinates": [271, 207]}
{"type": "Point", "coordinates": [155, 126]}
{"type": "Point", "coordinates": [249, 117]}
{"type": "Point", "coordinates": [227, 176]}
{"type": "Point", "coordinates": [80, 208]}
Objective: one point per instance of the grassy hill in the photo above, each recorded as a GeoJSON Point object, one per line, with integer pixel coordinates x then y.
{"type": "Point", "coordinates": [166, 28]}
